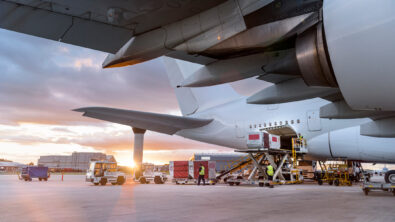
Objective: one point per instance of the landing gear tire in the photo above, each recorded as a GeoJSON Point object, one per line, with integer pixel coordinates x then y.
{"type": "Point", "coordinates": [390, 176]}
{"type": "Point", "coordinates": [103, 181]}
{"type": "Point", "coordinates": [337, 183]}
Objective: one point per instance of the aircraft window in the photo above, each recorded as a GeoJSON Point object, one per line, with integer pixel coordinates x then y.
{"type": "Point", "coordinates": [292, 121]}
{"type": "Point", "coordinates": [298, 121]}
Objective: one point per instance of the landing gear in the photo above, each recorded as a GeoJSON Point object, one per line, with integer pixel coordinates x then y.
{"type": "Point", "coordinates": [390, 176]}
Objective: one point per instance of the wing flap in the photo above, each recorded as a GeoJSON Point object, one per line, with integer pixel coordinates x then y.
{"type": "Point", "coordinates": [162, 123]}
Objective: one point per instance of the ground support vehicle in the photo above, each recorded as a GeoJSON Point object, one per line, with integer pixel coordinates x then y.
{"type": "Point", "coordinates": [156, 177]}
{"type": "Point", "coordinates": [187, 172]}
{"type": "Point", "coordinates": [101, 172]}
{"type": "Point", "coordinates": [336, 172]}
{"type": "Point", "coordinates": [285, 170]}
{"type": "Point", "coordinates": [368, 186]}
{"type": "Point", "coordinates": [30, 172]}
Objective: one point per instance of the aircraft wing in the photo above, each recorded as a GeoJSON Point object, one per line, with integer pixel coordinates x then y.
{"type": "Point", "coordinates": [103, 25]}
{"type": "Point", "coordinates": [162, 123]}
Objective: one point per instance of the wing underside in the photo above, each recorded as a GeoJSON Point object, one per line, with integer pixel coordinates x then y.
{"type": "Point", "coordinates": [162, 123]}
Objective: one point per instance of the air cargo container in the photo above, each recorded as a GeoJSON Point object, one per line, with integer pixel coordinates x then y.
{"type": "Point", "coordinates": [184, 172]}
{"type": "Point", "coordinates": [263, 140]}
{"type": "Point", "coordinates": [30, 172]}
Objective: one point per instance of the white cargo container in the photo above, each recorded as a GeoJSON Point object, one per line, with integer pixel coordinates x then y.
{"type": "Point", "coordinates": [263, 140]}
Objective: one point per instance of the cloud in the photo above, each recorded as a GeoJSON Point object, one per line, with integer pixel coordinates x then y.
{"type": "Point", "coordinates": [41, 81]}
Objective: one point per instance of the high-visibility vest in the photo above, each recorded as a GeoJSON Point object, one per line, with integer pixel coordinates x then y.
{"type": "Point", "coordinates": [270, 171]}
{"type": "Point", "coordinates": [201, 171]}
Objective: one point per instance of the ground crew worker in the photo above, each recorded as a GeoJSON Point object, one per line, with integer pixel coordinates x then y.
{"type": "Point", "coordinates": [270, 173]}
{"type": "Point", "coordinates": [201, 174]}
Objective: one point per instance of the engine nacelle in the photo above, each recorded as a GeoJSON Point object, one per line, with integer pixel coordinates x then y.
{"type": "Point", "coordinates": [348, 143]}
{"type": "Point", "coordinates": [360, 39]}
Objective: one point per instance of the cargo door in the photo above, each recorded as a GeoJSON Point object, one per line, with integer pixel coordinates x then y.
{"type": "Point", "coordinates": [314, 120]}
{"type": "Point", "coordinates": [239, 131]}
{"type": "Point", "coordinates": [266, 140]}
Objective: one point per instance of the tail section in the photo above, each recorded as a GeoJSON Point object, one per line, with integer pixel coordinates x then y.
{"type": "Point", "coordinates": [192, 100]}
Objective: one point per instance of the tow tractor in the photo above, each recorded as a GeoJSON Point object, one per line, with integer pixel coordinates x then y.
{"type": "Point", "coordinates": [101, 172]}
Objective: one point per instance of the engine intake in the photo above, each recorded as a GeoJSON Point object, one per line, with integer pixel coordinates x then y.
{"type": "Point", "coordinates": [313, 59]}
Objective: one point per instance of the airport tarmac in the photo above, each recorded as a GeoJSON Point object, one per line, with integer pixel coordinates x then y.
{"type": "Point", "coordinates": [75, 200]}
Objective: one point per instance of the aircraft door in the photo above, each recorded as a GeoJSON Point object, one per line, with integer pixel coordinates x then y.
{"type": "Point", "coordinates": [239, 131]}
{"type": "Point", "coordinates": [314, 120]}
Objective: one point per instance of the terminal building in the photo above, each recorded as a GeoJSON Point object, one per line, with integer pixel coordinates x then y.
{"type": "Point", "coordinates": [77, 161]}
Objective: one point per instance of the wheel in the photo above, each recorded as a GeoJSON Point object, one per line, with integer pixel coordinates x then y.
{"type": "Point", "coordinates": [45, 179]}
{"type": "Point", "coordinates": [366, 191]}
{"type": "Point", "coordinates": [96, 184]}
{"type": "Point", "coordinates": [319, 182]}
{"type": "Point", "coordinates": [237, 183]}
{"type": "Point", "coordinates": [231, 183]}
{"type": "Point", "coordinates": [143, 180]}
{"type": "Point", "coordinates": [114, 183]}
{"type": "Point", "coordinates": [337, 182]}
{"type": "Point", "coordinates": [390, 176]}
{"type": "Point", "coordinates": [40, 179]}
{"type": "Point", "coordinates": [25, 179]}
{"type": "Point", "coordinates": [393, 192]}
{"type": "Point", "coordinates": [120, 180]}
{"type": "Point", "coordinates": [158, 180]}
{"type": "Point", "coordinates": [330, 182]}
{"type": "Point", "coordinates": [103, 181]}
{"type": "Point", "coordinates": [261, 184]}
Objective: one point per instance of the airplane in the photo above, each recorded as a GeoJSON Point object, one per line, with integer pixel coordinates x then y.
{"type": "Point", "coordinates": [330, 53]}
{"type": "Point", "coordinates": [219, 115]}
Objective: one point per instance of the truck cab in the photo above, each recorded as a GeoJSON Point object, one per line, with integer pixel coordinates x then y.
{"type": "Point", "coordinates": [101, 172]}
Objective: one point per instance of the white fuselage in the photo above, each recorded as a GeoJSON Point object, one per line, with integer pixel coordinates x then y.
{"type": "Point", "coordinates": [325, 138]}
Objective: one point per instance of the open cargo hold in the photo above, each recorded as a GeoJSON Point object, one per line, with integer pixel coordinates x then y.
{"type": "Point", "coordinates": [188, 171]}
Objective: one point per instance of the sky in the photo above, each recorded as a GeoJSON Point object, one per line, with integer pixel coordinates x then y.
{"type": "Point", "coordinates": [41, 81]}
